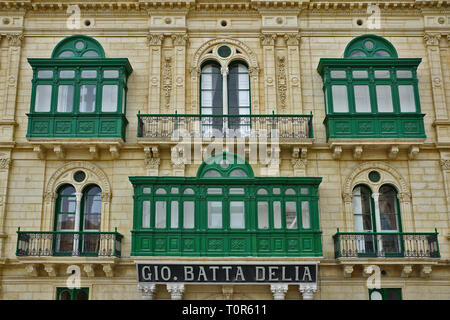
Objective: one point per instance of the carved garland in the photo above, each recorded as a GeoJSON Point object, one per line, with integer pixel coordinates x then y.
{"type": "Point", "coordinates": [167, 80]}
{"type": "Point", "coordinates": [282, 82]}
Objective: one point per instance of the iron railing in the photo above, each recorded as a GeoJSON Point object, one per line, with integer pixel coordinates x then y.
{"type": "Point", "coordinates": [386, 244]}
{"type": "Point", "coordinates": [168, 126]}
{"type": "Point", "coordinates": [68, 243]}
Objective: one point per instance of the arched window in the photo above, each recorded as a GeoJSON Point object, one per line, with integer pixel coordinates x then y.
{"type": "Point", "coordinates": [77, 221]}
{"type": "Point", "coordinates": [225, 94]}
{"type": "Point", "coordinates": [377, 214]}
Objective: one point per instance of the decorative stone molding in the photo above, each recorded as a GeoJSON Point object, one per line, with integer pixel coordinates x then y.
{"type": "Point", "coordinates": [337, 152]}
{"type": "Point", "coordinates": [404, 197]}
{"type": "Point", "coordinates": [357, 152]}
{"type": "Point", "coordinates": [292, 39]}
{"type": "Point", "coordinates": [108, 269]}
{"type": "Point", "coordinates": [50, 269]}
{"type": "Point", "coordinates": [167, 80]}
{"type": "Point", "coordinates": [406, 271]}
{"type": "Point", "coordinates": [299, 166]}
{"type": "Point", "coordinates": [279, 291]}
{"type": "Point", "coordinates": [425, 271]}
{"type": "Point", "coordinates": [89, 269]}
{"type": "Point", "coordinates": [253, 71]}
{"type": "Point", "coordinates": [307, 290]}
{"type": "Point", "coordinates": [347, 271]}
{"type": "Point", "coordinates": [31, 270]}
{"type": "Point", "coordinates": [413, 152]}
{"type": "Point", "coordinates": [176, 290]}
{"type": "Point", "coordinates": [93, 150]}
{"type": "Point", "coordinates": [281, 81]}
{"type": "Point", "coordinates": [59, 151]}
{"type": "Point", "coordinates": [268, 39]}
{"type": "Point", "coordinates": [147, 290]}
{"type": "Point", "coordinates": [40, 151]}
{"type": "Point", "coordinates": [445, 164]}
{"type": "Point", "coordinates": [393, 152]}
{"type": "Point", "coordinates": [114, 150]}
{"type": "Point", "coordinates": [105, 196]}
{"type": "Point", "coordinates": [227, 291]}
{"type": "Point", "coordinates": [348, 197]}
{"type": "Point", "coordinates": [5, 163]}
{"type": "Point", "coordinates": [14, 39]}
{"type": "Point", "coordinates": [180, 39]}
{"type": "Point", "coordinates": [155, 39]}
{"type": "Point", "coordinates": [178, 161]}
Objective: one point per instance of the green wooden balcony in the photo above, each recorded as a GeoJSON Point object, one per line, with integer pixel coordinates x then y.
{"type": "Point", "coordinates": [357, 126]}
{"type": "Point", "coordinates": [385, 245]}
{"type": "Point", "coordinates": [68, 243]}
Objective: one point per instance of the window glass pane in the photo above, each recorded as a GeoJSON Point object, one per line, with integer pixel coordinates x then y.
{"type": "Point", "coordinates": [236, 191]}
{"type": "Point", "coordinates": [174, 214]}
{"type": "Point", "coordinates": [160, 216]}
{"type": "Point", "coordinates": [262, 191]}
{"type": "Point", "coordinates": [189, 191]}
{"type": "Point", "coordinates": [404, 74]}
{"type": "Point", "coordinates": [146, 190]}
{"type": "Point", "coordinates": [362, 98]}
{"type": "Point", "coordinates": [45, 74]}
{"type": "Point", "coordinates": [43, 98]}
{"type": "Point", "coordinates": [384, 99]}
{"type": "Point", "coordinates": [291, 215]}
{"type": "Point", "coordinates": [68, 204]}
{"type": "Point", "coordinates": [207, 81]}
{"type": "Point", "coordinates": [66, 54]}
{"type": "Point", "coordinates": [406, 94]}
{"type": "Point", "coordinates": [243, 81]}
{"type": "Point", "coordinates": [277, 214]}
{"type": "Point", "coordinates": [66, 221]}
{"type": "Point", "coordinates": [304, 191]}
{"type": "Point", "coordinates": [65, 98]}
{"type": "Point", "coordinates": [338, 74]}
{"type": "Point", "coordinates": [212, 174]}
{"type": "Point", "coordinates": [82, 295]}
{"type": "Point", "coordinates": [357, 53]}
{"type": "Point", "coordinates": [67, 74]}
{"type": "Point", "coordinates": [375, 295]}
{"type": "Point", "coordinates": [161, 191]}
{"type": "Point", "coordinates": [188, 214]}
{"type": "Point", "coordinates": [65, 295]}
{"type": "Point", "coordinates": [90, 53]}
{"type": "Point", "coordinates": [207, 98]}
{"type": "Point", "coordinates": [124, 97]}
{"type": "Point", "coordinates": [362, 209]}
{"type": "Point", "coordinates": [146, 214]}
{"type": "Point", "coordinates": [360, 74]}
{"type": "Point", "coordinates": [276, 190]}
{"type": "Point", "coordinates": [237, 215]}
{"type": "Point", "coordinates": [340, 99]}
{"type": "Point", "coordinates": [388, 209]}
{"type": "Point", "coordinates": [382, 74]}
{"type": "Point", "coordinates": [238, 173]}
{"type": "Point", "coordinates": [244, 98]}
{"type": "Point", "coordinates": [109, 98]}
{"type": "Point", "coordinates": [306, 224]}
{"type": "Point", "coordinates": [263, 215]}
{"type": "Point", "coordinates": [89, 73]}
{"type": "Point", "coordinates": [214, 214]}
{"type": "Point", "coordinates": [174, 190]}
{"type": "Point", "coordinates": [290, 191]}
{"type": "Point", "coordinates": [111, 74]}
{"type": "Point", "coordinates": [87, 98]}
{"type": "Point", "coordinates": [214, 191]}
{"type": "Point", "coordinates": [382, 53]}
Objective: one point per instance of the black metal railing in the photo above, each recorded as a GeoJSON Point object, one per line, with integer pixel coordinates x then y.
{"type": "Point", "coordinates": [377, 244]}
{"type": "Point", "coordinates": [68, 243]}
{"type": "Point", "coordinates": [168, 126]}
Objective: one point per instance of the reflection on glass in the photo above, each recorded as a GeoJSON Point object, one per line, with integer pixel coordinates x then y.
{"type": "Point", "coordinates": [277, 214]}
{"type": "Point", "coordinates": [340, 98]}
{"type": "Point", "coordinates": [306, 224]}
{"type": "Point", "coordinates": [65, 98]}
{"type": "Point", "coordinates": [237, 215]}
{"type": "Point", "coordinates": [291, 215]}
{"type": "Point", "coordinates": [109, 98]}
{"type": "Point", "coordinates": [188, 214]}
{"type": "Point", "coordinates": [87, 98]}
{"type": "Point", "coordinates": [263, 215]}
{"type": "Point", "coordinates": [214, 214]}
{"type": "Point", "coordinates": [43, 98]}
{"type": "Point", "coordinates": [160, 215]}
{"type": "Point", "coordinates": [174, 214]}
{"type": "Point", "coordinates": [146, 214]}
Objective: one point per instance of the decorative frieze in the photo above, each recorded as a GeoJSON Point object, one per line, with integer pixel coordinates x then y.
{"type": "Point", "coordinates": [307, 290]}
{"type": "Point", "coordinates": [432, 39]}
{"type": "Point", "coordinates": [155, 39]}
{"type": "Point", "coordinates": [279, 291]}
{"type": "Point", "coordinates": [14, 39]}
{"type": "Point", "coordinates": [147, 290]}
{"type": "Point", "coordinates": [268, 39]}
{"type": "Point", "coordinates": [445, 164]}
{"type": "Point", "coordinates": [176, 290]}
{"type": "Point", "coordinates": [281, 81]}
{"type": "Point", "coordinates": [4, 163]}
{"type": "Point", "coordinates": [167, 80]}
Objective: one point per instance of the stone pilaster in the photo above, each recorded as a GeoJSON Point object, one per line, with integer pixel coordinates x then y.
{"type": "Point", "coordinates": [279, 291]}
{"type": "Point", "coordinates": [154, 78]}
{"type": "Point", "coordinates": [176, 290]}
{"type": "Point", "coordinates": [293, 74]}
{"type": "Point", "coordinates": [147, 290]}
{"type": "Point", "coordinates": [180, 42]}
{"type": "Point", "coordinates": [270, 94]}
{"type": "Point", "coordinates": [307, 290]}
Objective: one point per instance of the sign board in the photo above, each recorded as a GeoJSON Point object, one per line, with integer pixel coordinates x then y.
{"type": "Point", "coordinates": [226, 273]}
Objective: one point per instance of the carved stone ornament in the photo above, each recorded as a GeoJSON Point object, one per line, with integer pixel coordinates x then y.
{"type": "Point", "coordinates": [4, 163]}
{"type": "Point", "coordinates": [180, 39]}
{"type": "Point", "coordinates": [155, 39]}
{"type": "Point", "coordinates": [432, 39]}
{"type": "Point", "coordinates": [167, 80]}
{"type": "Point", "coordinates": [292, 39]}
{"type": "Point", "coordinates": [268, 39]}
{"type": "Point", "coordinates": [445, 164]}
{"type": "Point", "coordinates": [282, 82]}
{"type": "Point", "coordinates": [14, 39]}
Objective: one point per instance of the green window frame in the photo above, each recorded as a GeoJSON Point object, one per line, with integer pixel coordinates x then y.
{"type": "Point", "coordinates": [226, 209]}
{"type": "Point", "coordinates": [72, 294]}
{"type": "Point", "coordinates": [63, 111]}
{"type": "Point", "coordinates": [385, 294]}
{"type": "Point", "coordinates": [371, 95]}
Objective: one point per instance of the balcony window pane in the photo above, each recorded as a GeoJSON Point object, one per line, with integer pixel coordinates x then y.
{"type": "Point", "coordinates": [263, 215]}
{"type": "Point", "coordinates": [65, 98]}
{"type": "Point", "coordinates": [340, 98]}
{"type": "Point", "coordinates": [214, 191]}
{"type": "Point", "coordinates": [207, 98]}
{"type": "Point", "coordinates": [174, 214]}
{"type": "Point", "coordinates": [146, 190]}
{"type": "Point", "coordinates": [362, 98]}
{"type": "Point", "coordinates": [237, 215]}
{"type": "Point", "coordinates": [188, 191]}
{"type": "Point", "coordinates": [277, 214]}
{"type": "Point", "coordinates": [45, 74]}
{"type": "Point", "coordinates": [360, 74]}
{"type": "Point", "coordinates": [146, 214]}
{"type": "Point", "coordinates": [161, 191]}
{"type": "Point", "coordinates": [188, 214]}
{"type": "Point", "coordinates": [123, 100]}
{"type": "Point", "coordinates": [338, 74]}
{"type": "Point", "coordinates": [66, 222]}
{"type": "Point", "coordinates": [87, 98]}
{"type": "Point", "coordinates": [89, 74]}
{"type": "Point", "coordinates": [384, 99]}
{"type": "Point", "coordinates": [306, 223]}
{"type": "Point", "coordinates": [276, 190]}
{"type": "Point", "coordinates": [160, 215]}
{"type": "Point", "coordinates": [111, 74]}
{"type": "Point", "coordinates": [109, 98]}
{"type": "Point", "coordinates": [68, 204]}
{"type": "Point", "coordinates": [43, 98]}
{"type": "Point", "coordinates": [90, 53]}
{"type": "Point", "coordinates": [67, 74]}
{"type": "Point", "coordinates": [304, 191]}
{"type": "Point", "coordinates": [66, 54]}
{"type": "Point", "coordinates": [291, 215]}
{"type": "Point", "coordinates": [382, 74]}
{"type": "Point", "coordinates": [404, 74]}
{"type": "Point", "coordinates": [289, 191]}
{"type": "Point", "coordinates": [357, 53]}
{"type": "Point", "coordinates": [406, 94]}
{"type": "Point", "coordinates": [214, 214]}
{"type": "Point", "coordinates": [174, 190]}
{"type": "Point", "coordinates": [262, 192]}
{"type": "Point", "coordinates": [236, 191]}
{"type": "Point", "coordinates": [388, 209]}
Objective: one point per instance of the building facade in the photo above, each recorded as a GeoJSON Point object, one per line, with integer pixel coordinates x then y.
{"type": "Point", "coordinates": [239, 149]}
